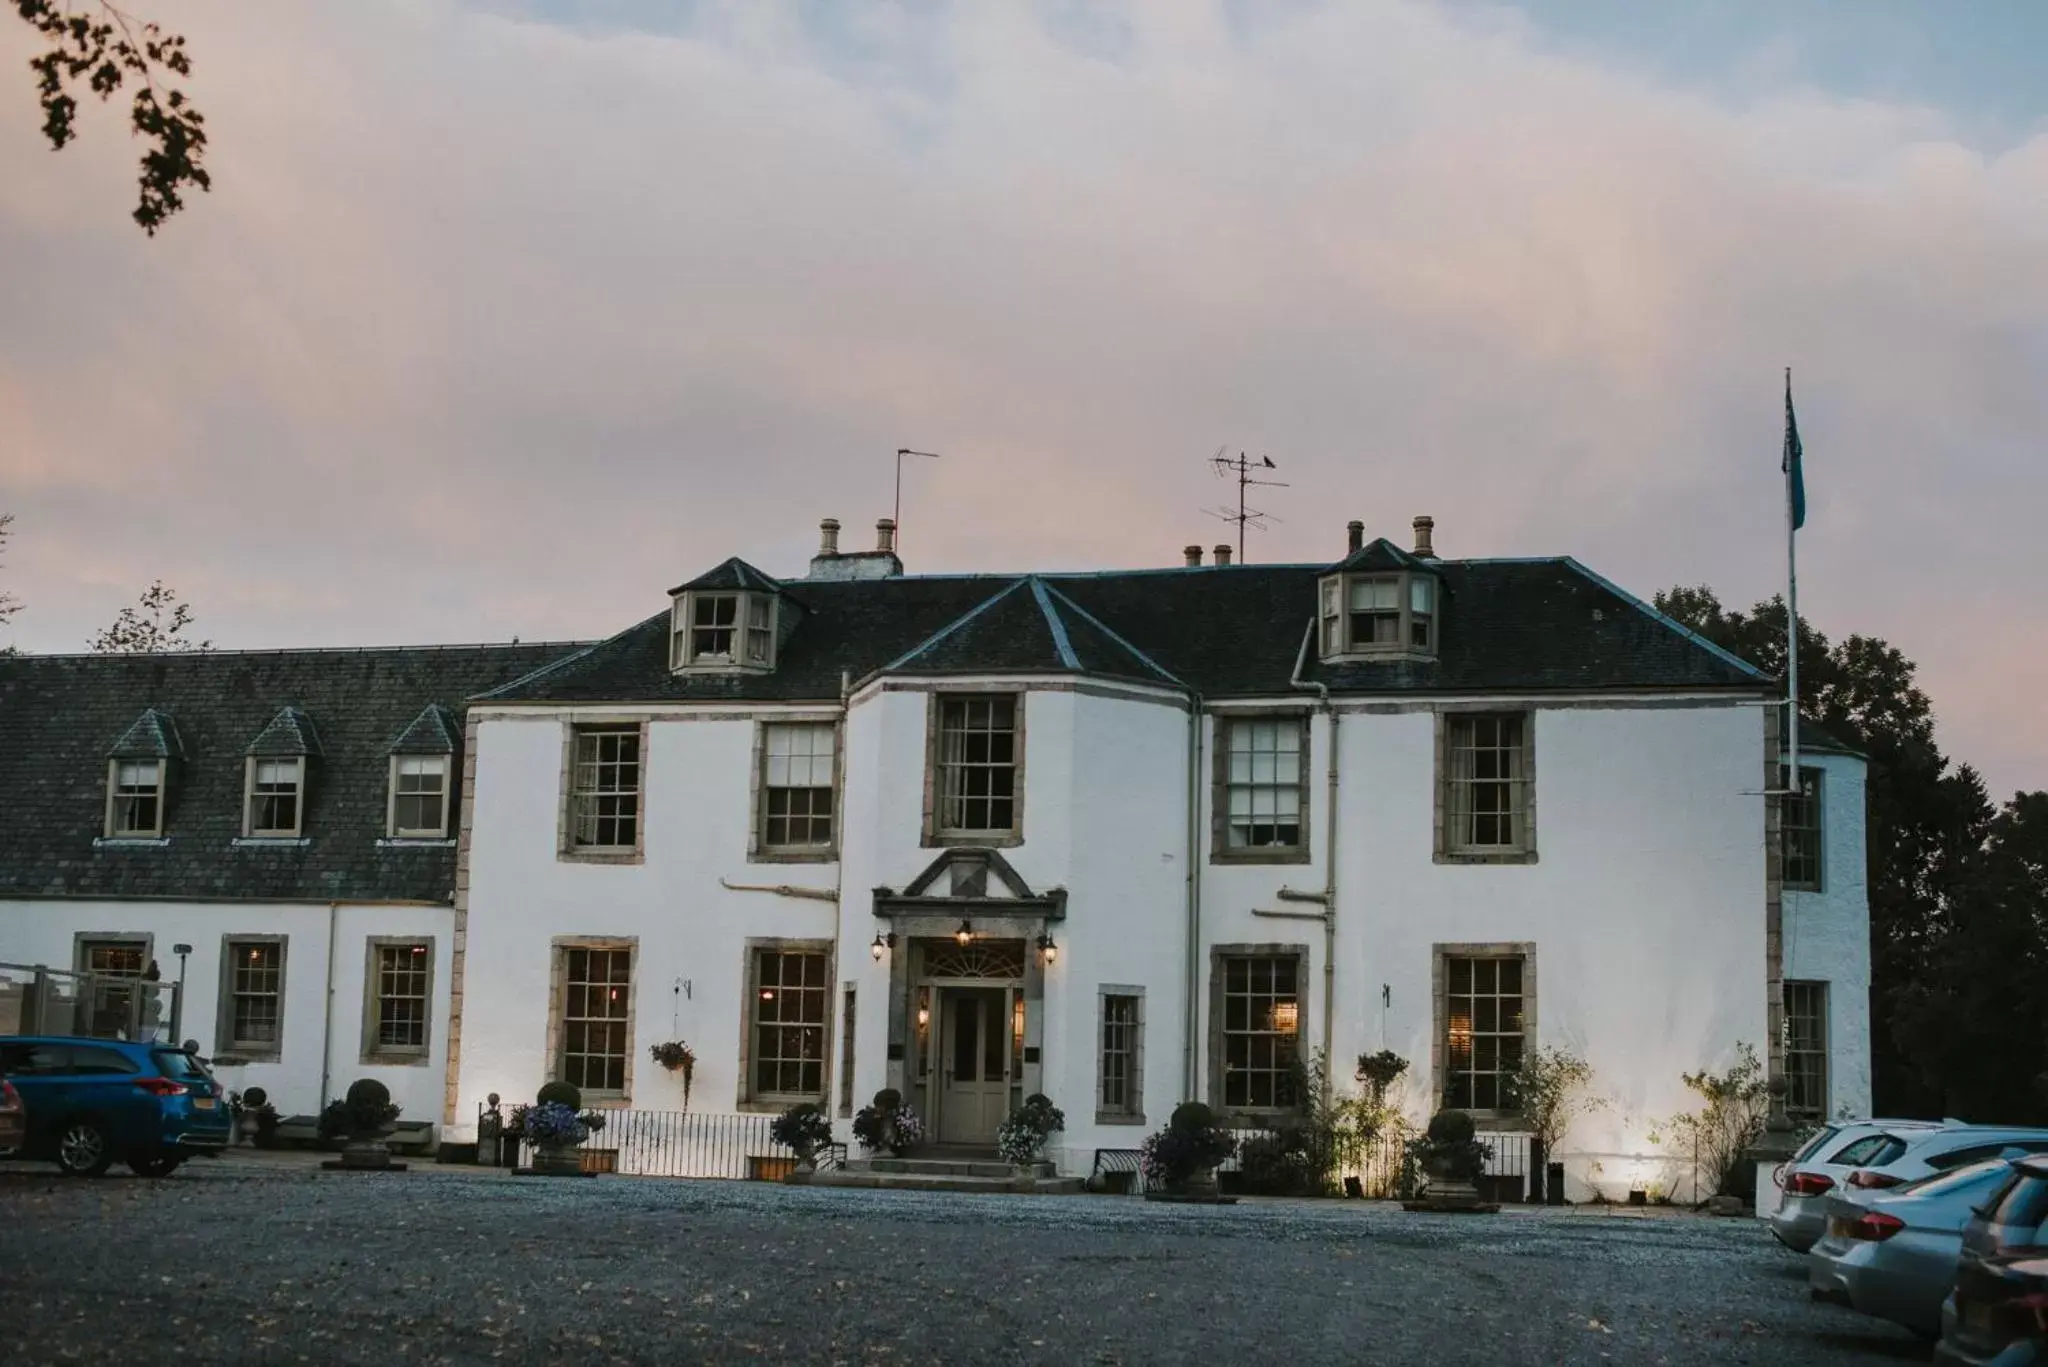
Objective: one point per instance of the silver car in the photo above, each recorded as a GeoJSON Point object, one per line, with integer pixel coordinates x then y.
{"type": "Point", "coordinates": [1825, 1163]}
{"type": "Point", "coordinates": [1892, 1254]}
{"type": "Point", "coordinates": [1943, 1151]}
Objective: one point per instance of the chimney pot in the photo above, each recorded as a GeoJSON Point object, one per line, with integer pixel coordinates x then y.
{"type": "Point", "coordinates": [1356, 531]}
{"type": "Point", "coordinates": [1223, 555]}
{"type": "Point", "coordinates": [885, 535]}
{"type": "Point", "coordinates": [1424, 526]}
{"type": "Point", "coordinates": [828, 536]}
{"type": "Point", "coordinates": [1193, 554]}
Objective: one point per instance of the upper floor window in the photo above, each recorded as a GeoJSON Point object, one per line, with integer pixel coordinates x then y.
{"type": "Point", "coordinates": [276, 797]}
{"type": "Point", "coordinates": [604, 789]}
{"type": "Point", "coordinates": [798, 788]}
{"type": "Point", "coordinates": [419, 796]}
{"type": "Point", "coordinates": [1378, 614]}
{"type": "Point", "coordinates": [975, 767]}
{"type": "Point", "coordinates": [723, 630]}
{"type": "Point", "coordinates": [1801, 818]}
{"type": "Point", "coordinates": [135, 798]}
{"type": "Point", "coordinates": [1261, 788]}
{"type": "Point", "coordinates": [1487, 808]}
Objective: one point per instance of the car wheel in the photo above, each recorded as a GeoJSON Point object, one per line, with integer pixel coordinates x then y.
{"type": "Point", "coordinates": [82, 1149]}
{"type": "Point", "coordinates": [156, 1165]}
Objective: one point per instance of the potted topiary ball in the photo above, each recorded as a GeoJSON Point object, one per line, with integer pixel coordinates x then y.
{"type": "Point", "coordinates": [362, 1119]}
{"type": "Point", "coordinates": [1179, 1162]}
{"type": "Point", "coordinates": [1452, 1157]}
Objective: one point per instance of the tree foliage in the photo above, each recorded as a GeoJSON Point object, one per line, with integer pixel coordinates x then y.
{"type": "Point", "coordinates": [1551, 1089]}
{"type": "Point", "coordinates": [155, 626]}
{"type": "Point", "coordinates": [99, 48]}
{"type": "Point", "coordinates": [1956, 902]}
{"type": "Point", "coordinates": [1735, 1104]}
{"type": "Point", "coordinates": [9, 604]}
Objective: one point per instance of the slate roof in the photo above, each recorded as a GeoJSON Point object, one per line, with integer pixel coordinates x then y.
{"type": "Point", "coordinates": [62, 716]}
{"type": "Point", "coordinates": [153, 736]}
{"type": "Point", "coordinates": [733, 574]}
{"type": "Point", "coordinates": [1232, 631]}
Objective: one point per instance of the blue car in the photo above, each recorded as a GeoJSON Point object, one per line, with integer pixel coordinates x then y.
{"type": "Point", "coordinates": [89, 1103]}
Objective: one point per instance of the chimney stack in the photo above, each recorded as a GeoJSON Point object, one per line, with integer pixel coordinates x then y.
{"type": "Point", "coordinates": [1423, 527]}
{"type": "Point", "coordinates": [1356, 529]}
{"type": "Point", "coordinates": [885, 535]}
{"type": "Point", "coordinates": [828, 536]}
{"type": "Point", "coordinates": [1223, 555]}
{"type": "Point", "coordinates": [1193, 554]}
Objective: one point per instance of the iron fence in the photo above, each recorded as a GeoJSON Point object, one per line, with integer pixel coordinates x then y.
{"type": "Point", "coordinates": [680, 1144]}
{"type": "Point", "coordinates": [1382, 1168]}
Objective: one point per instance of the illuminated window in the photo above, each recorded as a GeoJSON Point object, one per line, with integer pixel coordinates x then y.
{"type": "Point", "coordinates": [1484, 1031]}
{"type": "Point", "coordinates": [115, 958]}
{"type": "Point", "coordinates": [604, 791]}
{"type": "Point", "coordinates": [1487, 785]}
{"type": "Point", "coordinates": [400, 996]}
{"type": "Point", "coordinates": [1801, 817]}
{"type": "Point", "coordinates": [789, 997]}
{"type": "Point", "coordinates": [1262, 785]}
{"type": "Point", "coordinates": [1261, 1029]}
{"type": "Point", "coordinates": [252, 997]}
{"type": "Point", "coordinates": [1806, 1050]}
{"type": "Point", "coordinates": [597, 999]}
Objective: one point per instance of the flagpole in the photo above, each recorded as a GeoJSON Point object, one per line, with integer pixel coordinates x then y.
{"type": "Point", "coordinates": [1791, 601]}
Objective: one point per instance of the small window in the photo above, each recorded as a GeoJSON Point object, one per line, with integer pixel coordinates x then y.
{"type": "Point", "coordinates": [1263, 786]}
{"type": "Point", "coordinates": [604, 793]}
{"type": "Point", "coordinates": [275, 797]}
{"type": "Point", "coordinates": [846, 1022]}
{"type": "Point", "coordinates": [1261, 1030]}
{"type": "Point", "coordinates": [254, 1010]}
{"type": "Point", "coordinates": [401, 993]}
{"type": "Point", "coordinates": [1487, 784]}
{"type": "Point", "coordinates": [419, 796]}
{"type": "Point", "coordinates": [1484, 1031]}
{"type": "Point", "coordinates": [1871, 1151]}
{"type": "Point", "coordinates": [977, 765]}
{"type": "Point", "coordinates": [714, 617]}
{"type": "Point", "coordinates": [1120, 1096]}
{"type": "Point", "coordinates": [114, 958]}
{"type": "Point", "coordinates": [1806, 1049]}
{"type": "Point", "coordinates": [135, 806]}
{"type": "Point", "coordinates": [1333, 616]}
{"type": "Point", "coordinates": [596, 1005]}
{"type": "Point", "coordinates": [797, 786]}
{"type": "Point", "coordinates": [760, 630]}
{"type": "Point", "coordinates": [1375, 613]}
{"type": "Point", "coordinates": [1801, 818]}
{"type": "Point", "coordinates": [1421, 612]}
{"type": "Point", "coordinates": [786, 1027]}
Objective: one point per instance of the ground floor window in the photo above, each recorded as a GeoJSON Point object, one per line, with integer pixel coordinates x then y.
{"type": "Point", "coordinates": [252, 1004]}
{"type": "Point", "coordinates": [1121, 1094]}
{"type": "Point", "coordinates": [787, 1005]}
{"type": "Point", "coordinates": [1806, 1050]}
{"type": "Point", "coordinates": [399, 997]}
{"type": "Point", "coordinates": [596, 1007]}
{"type": "Point", "coordinates": [1484, 1024]}
{"type": "Point", "coordinates": [1260, 1029]}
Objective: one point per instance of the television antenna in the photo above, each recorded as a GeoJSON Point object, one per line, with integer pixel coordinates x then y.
{"type": "Point", "coordinates": [1241, 468]}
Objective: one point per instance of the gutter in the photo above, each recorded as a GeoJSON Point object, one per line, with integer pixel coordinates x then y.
{"type": "Point", "coordinates": [1328, 896]}
{"type": "Point", "coordinates": [327, 1015]}
{"type": "Point", "coordinates": [1191, 987]}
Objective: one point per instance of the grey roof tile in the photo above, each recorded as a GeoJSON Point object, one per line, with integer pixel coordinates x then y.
{"type": "Point", "coordinates": [153, 735]}
{"type": "Point", "coordinates": [435, 731]}
{"type": "Point", "coordinates": [290, 733]}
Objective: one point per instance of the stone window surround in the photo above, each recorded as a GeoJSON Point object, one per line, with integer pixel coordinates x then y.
{"type": "Point", "coordinates": [432, 833]}
{"type": "Point", "coordinates": [1219, 790]}
{"type": "Point", "coordinates": [1249, 1116]}
{"type": "Point", "coordinates": [1135, 1114]}
{"type": "Point", "coordinates": [1825, 1051]}
{"type": "Point", "coordinates": [681, 611]}
{"type": "Point", "coordinates": [163, 773]}
{"type": "Point", "coordinates": [1819, 883]}
{"type": "Point", "coordinates": [758, 851]}
{"type": "Point", "coordinates": [298, 826]}
{"type": "Point", "coordinates": [372, 1051]}
{"type": "Point", "coordinates": [224, 1045]}
{"type": "Point", "coordinates": [1444, 854]}
{"type": "Point", "coordinates": [82, 940]}
{"type": "Point", "coordinates": [933, 836]}
{"type": "Point", "coordinates": [558, 990]}
{"type": "Point", "coordinates": [1439, 992]}
{"type": "Point", "coordinates": [746, 1100]}
{"type": "Point", "coordinates": [566, 850]}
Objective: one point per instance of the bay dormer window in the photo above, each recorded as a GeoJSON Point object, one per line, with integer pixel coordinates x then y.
{"type": "Point", "coordinates": [1379, 615]}
{"type": "Point", "coordinates": [725, 621]}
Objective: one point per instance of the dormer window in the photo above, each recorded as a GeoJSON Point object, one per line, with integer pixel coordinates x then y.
{"type": "Point", "coordinates": [1378, 615]}
{"type": "Point", "coordinates": [723, 631]}
{"type": "Point", "coordinates": [135, 799]}
{"type": "Point", "coordinates": [276, 787]}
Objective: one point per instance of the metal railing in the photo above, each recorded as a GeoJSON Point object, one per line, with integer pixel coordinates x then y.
{"type": "Point", "coordinates": [36, 999]}
{"type": "Point", "coordinates": [1383, 1169]}
{"type": "Point", "coordinates": [682, 1144]}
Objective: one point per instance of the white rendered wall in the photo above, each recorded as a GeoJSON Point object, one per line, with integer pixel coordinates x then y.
{"type": "Point", "coordinates": [1827, 933]}
{"type": "Point", "coordinates": [44, 932]}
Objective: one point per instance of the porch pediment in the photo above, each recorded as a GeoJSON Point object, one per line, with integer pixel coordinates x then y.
{"type": "Point", "coordinates": [966, 877]}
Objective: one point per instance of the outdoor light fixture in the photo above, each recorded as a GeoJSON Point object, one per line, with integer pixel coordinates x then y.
{"type": "Point", "coordinates": [1046, 948]}
{"type": "Point", "coordinates": [882, 944]}
{"type": "Point", "coordinates": [964, 935]}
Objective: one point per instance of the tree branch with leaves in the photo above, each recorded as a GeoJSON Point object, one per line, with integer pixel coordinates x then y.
{"type": "Point", "coordinates": [9, 604]}
{"type": "Point", "coordinates": [155, 626]}
{"type": "Point", "coordinates": [99, 48]}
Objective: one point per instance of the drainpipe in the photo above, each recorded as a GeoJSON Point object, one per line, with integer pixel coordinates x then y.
{"type": "Point", "coordinates": [1189, 1056]}
{"type": "Point", "coordinates": [1328, 896]}
{"type": "Point", "coordinates": [327, 1015]}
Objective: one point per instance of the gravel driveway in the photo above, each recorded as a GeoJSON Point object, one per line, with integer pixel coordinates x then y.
{"type": "Point", "coordinates": [240, 1261]}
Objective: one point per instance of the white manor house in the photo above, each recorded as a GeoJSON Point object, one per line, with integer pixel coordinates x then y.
{"type": "Point", "coordinates": [1126, 838]}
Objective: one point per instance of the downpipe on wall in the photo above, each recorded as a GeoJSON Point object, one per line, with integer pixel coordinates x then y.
{"type": "Point", "coordinates": [1328, 896]}
{"type": "Point", "coordinates": [327, 1015]}
{"type": "Point", "coordinates": [1194, 897]}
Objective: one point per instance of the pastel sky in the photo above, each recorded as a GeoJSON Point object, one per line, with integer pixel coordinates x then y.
{"type": "Point", "coordinates": [504, 317]}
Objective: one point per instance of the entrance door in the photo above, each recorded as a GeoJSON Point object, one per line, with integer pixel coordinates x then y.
{"type": "Point", "coordinates": [976, 1086]}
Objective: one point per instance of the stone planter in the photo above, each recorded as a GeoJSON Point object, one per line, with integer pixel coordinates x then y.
{"type": "Point", "coordinates": [1452, 1192]}
{"type": "Point", "coordinates": [558, 1160]}
{"type": "Point", "coordinates": [1197, 1188]}
{"type": "Point", "coordinates": [365, 1153]}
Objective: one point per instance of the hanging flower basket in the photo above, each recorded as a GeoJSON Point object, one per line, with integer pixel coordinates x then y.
{"type": "Point", "coordinates": [677, 1057]}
